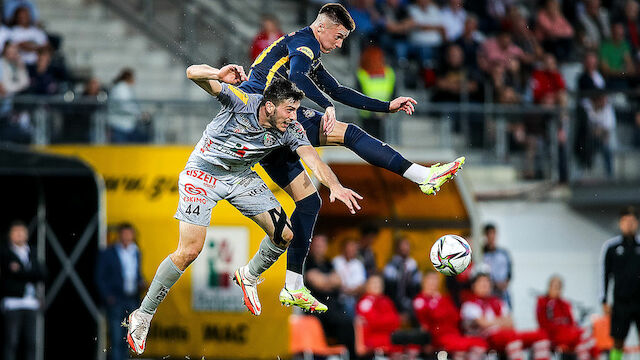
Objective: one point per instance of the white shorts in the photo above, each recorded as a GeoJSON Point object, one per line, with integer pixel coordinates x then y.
{"type": "Point", "coordinates": [200, 191]}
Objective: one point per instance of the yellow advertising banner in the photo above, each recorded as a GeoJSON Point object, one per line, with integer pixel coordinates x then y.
{"type": "Point", "coordinates": [203, 314]}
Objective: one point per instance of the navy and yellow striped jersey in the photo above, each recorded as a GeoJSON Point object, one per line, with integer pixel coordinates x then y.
{"type": "Point", "coordinates": [296, 56]}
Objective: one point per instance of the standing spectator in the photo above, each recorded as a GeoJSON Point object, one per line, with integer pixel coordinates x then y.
{"type": "Point", "coordinates": [590, 79]}
{"type": "Point", "coordinates": [429, 31]}
{"type": "Point", "coordinates": [489, 317]}
{"type": "Point", "coordinates": [621, 260]}
{"type": "Point", "coordinates": [16, 126]}
{"type": "Point", "coordinates": [325, 284]}
{"type": "Point", "coordinates": [124, 111]}
{"type": "Point", "coordinates": [379, 317]}
{"type": "Point", "coordinates": [119, 281]}
{"type": "Point", "coordinates": [368, 233]}
{"type": "Point", "coordinates": [439, 316]}
{"type": "Point", "coordinates": [43, 77]}
{"type": "Point", "coordinates": [27, 36]}
{"type": "Point", "coordinates": [555, 318]}
{"type": "Point", "coordinates": [453, 19]}
{"type": "Point", "coordinates": [20, 272]}
{"type": "Point", "coordinates": [601, 125]}
{"type": "Point", "coordinates": [397, 25]}
{"type": "Point", "coordinates": [455, 82]}
{"type": "Point", "coordinates": [615, 59]}
{"type": "Point", "coordinates": [352, 275]}
{"type": "Point", "coordinates": [270, 31]}
{"type": "Point", "coordinates": [554, 30]}
{"type": "Point", "coordinates": [499, 262]}
{"type": "Point", "coordinates": [470, 41]}
{"type": "Point", "coordinates": [594, 21]}
{"type": "Point", "coordinates": [376, 80]}
{"type": "Point", "coordinates": [402, 278]}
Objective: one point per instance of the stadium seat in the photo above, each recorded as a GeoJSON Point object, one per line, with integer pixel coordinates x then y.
{"type": "Point", "coordinates": [601, 325]}
{"type": "Point", "coordinates": [307, 337]}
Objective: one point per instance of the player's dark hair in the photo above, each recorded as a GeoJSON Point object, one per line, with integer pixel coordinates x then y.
{"type": "Point", "coordinates": [281, 90]}
{"type": "Point", "coordinates": [338, 14]}
{"type": "Point", "coordinates": [488, 227]}
{"type": "Point", "coordinates": [629, 210]}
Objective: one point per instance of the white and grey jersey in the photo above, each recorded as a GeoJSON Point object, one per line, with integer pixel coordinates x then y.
{"type": "Point", "coordinates": [234, 139]}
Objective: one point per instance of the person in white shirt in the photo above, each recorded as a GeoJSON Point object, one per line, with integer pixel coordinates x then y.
{"type": "Point", "coordinates": [453, 19]}
{"type": "Point", "coordinates": [352, 273]}
{"type": "Point", "coordinates": [20, 272]}
{"type": "Point", "coordinates": [602, 123]}
{"type": "Point", "coordinates": [27, 36]}
{"type": "Point", "coordinates": [429, 32]}
{"type": "Point", "coordinates": [124, 110]}
{"type": "Point", "coordinates": [15, 77]}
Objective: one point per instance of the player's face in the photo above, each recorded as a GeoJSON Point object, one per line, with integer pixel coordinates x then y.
{"type": "Point", "coordinates": [628, 225]}
{"type": "Point", "coordinates": [331, 37]}
{"type": "Point", "coordinates": [284, 115]}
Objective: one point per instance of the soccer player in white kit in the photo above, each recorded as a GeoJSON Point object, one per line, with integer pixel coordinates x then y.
{"type": "Point", "coordinates": [247, 128]}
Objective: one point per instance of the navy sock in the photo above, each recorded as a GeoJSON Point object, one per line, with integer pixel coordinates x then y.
{"type": "Point", "coordinates": [303, 220]}
{"type": "Point", "coordinates": [374, 151]}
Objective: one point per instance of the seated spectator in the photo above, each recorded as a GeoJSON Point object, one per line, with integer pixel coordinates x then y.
{"type": "Point", "coordinates": [615, 59]}
{"type": "Point", "coordinates": [547, 83]}
{"type": "Point", "coordinates": [454, 82]}
{"type": "Point", "coordinates": [555, 318]}
{"type": "Point", "coordinates": [498, 51]}
{"type": "Point", "coordinates": [497, 11]}
{"type": "Point", "coordinates": [269, 32]}
{"type": "Point", "coordinates": [369, 234]}
{"type": "Point", "coordinates": [594, 21]}
{"type": "Point", "coordinates": [600, 123]}
{"type": "Point", "coordinates": [554, 31]}
{"type": "Point", "coordinates": [76, 127]}
{"type": "Point", "coordinates": [11, 6]}
{"type": "Point", "coordinates": [20, 273]}
{"type": "Point", "coordinates": [43, 78]}
{"type": "Point", "coordinates": [488, 317]}
{"type": "Point", "coordinates": [124, 111]}
{"type": "Point", "coordinates": [5, 35]}
{"type": "Point", "coordinates": [439, 316]}
{"type": "Point", "coordinates": [28, 37]}
{"type": "Point", "coordinates": [636, 131]}
{"type": "Point", "coordinates": [377, 80]}
{"type": "Point", "coordinates": [590, 79]}
{"type": "Point", "coordinates": [402, 278]}
{"type": "Point", "coordinates": [366, 17]}
{"type": "Point", "coordinates": [524, 38]}
{"type": "Point", "coordinates": [379, 318]}
{"type": "Point", "coordinates": [632, 28]}
{"type": "Point", "coordinates": [429, 31]}
{"type": "Point", "coordinates": [398, 25]}
{"type": "Point", "coordinates": [470, 41]}
{"type": "Point", "coordinates": [453, 20]}
{"type": "Point", "coordinates": [352, 275]}
{"type": "Point", "coordinates": [507, 83]}
{"type": "Point", "coordinates": [325, 284]}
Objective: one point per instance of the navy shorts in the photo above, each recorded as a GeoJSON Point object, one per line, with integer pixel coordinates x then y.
{"type": "Point", "coordinates": [283, 165]}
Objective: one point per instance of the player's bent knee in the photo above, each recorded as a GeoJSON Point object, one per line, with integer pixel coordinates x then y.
{"type": "Point", "coordinates": [287, 235]}
{"type": "Point", "coordinates": [282, 233]}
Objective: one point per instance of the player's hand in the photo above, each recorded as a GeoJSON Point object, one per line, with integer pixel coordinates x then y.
{"type": "Point", "coordinates": [403, 103]}
{"type": "Point", "coordinates": [232, 74]}
{"type": "Point", "coordinates": [328, 120]}
{"type": "Point", "coordinates": [347, 196]}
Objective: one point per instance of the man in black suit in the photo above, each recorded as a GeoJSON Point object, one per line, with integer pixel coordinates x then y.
{"type": "Point", "coordinates": [19, 274]}
{"type": "Point", "coordinates": [119, 281]}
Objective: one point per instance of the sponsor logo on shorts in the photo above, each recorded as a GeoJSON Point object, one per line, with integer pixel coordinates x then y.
{"type": "Point", "coordinates": [194, 199]}
{"type": "Point", "coordinates": [194, 190]}
{"type": "Point", "coordinates": [201, 175]}
{"type": "Point", "coordinates": [258, 190]}
{"type": "Point", "coordinates": [308, 113]}
{"type": "Point", "coordinates": [269, 139]}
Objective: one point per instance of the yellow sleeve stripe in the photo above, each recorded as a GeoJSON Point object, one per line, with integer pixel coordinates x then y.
{"type": "Point", "coordinates": [283, 60]}
{"type": "Point", "coordinates": [239, 93]}
{"type": "Point", "coordinates": [305, 50]}
{"type": "Point", "coordinates": [265, 52]}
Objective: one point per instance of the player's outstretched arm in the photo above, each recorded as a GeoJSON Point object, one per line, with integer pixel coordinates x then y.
{"type": "Point", "coordinates": [208, 78]}
{"type": "Point", "coordinates": [322, 171]}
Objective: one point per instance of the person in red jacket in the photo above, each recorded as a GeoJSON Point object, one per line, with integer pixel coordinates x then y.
{"type": "Point", "coordinates": [438, 315]}
{"type": "Point", "coordinates": [555, 317]}
{"type": "Point", "coordinates": [488, 316]}
{"type": "Point", "coordinates": [379, 316]}
{"type": "Point", "coordinates": [269, 32]}
{"type": "Point", "coordinates": [548, 85]}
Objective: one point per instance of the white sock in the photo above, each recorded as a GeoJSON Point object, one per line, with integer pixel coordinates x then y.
{"type": "Point", "coordinates": [416, 173]}
{"type": "Point", "coordinates": [293, 280]}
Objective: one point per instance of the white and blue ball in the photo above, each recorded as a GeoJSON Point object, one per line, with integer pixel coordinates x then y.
{"type": "Point", "coordinates": [451, 255]}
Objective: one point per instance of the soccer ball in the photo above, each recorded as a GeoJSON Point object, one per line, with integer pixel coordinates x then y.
{"type": "Point", "coordinates": [451, 254]}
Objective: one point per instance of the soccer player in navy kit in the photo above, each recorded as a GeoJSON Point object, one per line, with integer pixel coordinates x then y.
{"type": "Point", "coordinates": [296, 57]}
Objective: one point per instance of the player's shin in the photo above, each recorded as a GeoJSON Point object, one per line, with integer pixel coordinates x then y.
{"type": "Point", "coordinates": [166, 275]}
{"type": "Point", "coordinates": [303, 221]}
{"type": "Point", "coordinates": [267, 255]}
